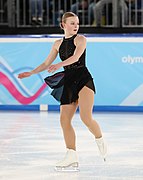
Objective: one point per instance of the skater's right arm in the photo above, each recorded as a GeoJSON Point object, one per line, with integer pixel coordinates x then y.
{"type": "Point", "coordinates": [51, 57]}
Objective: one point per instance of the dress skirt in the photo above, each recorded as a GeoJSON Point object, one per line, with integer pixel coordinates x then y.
{"type": "Point", "coordinates": [67, 84]}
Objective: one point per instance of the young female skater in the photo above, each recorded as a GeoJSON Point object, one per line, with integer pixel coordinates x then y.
{"type": "Point", "coordinates": [76, 89]}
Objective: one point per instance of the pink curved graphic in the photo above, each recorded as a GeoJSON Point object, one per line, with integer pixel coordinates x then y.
{"type": "Point", "coordinates": [16, 94]}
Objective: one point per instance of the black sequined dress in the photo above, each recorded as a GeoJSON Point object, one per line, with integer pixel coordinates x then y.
{"type": "Point", "coordinates": [67, 84]}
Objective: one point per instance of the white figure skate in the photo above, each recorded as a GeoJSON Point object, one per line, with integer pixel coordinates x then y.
{"type": "Point", "coordinates": [102, 147]}
{"type": "Point", "coordinates": [69, 163]}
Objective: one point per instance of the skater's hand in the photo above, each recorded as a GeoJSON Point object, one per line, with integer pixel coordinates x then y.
{"type": "Point", "coordinates": [52, 68]}
{"type": "Point", "coordinates": [24, 75]}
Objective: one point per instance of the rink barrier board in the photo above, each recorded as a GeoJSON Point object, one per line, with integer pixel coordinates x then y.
{"type": "Point", "coordinates": [57, 108]}
{"type": "Point", "coordinates": [49, 38]}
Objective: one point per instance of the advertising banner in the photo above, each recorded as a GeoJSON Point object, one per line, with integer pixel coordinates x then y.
{"type": "Point", "coordinates": [116, 64]}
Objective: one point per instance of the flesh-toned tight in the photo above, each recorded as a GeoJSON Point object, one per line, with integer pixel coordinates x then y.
{"type": "Point", "coordinates": [85, 103]}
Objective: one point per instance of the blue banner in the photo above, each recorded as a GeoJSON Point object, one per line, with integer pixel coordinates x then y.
{"type": "Point", "coordinates": [116, 64]}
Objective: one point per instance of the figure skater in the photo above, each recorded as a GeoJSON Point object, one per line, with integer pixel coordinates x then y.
{"type": "Point", "coordinates": [75, 88]}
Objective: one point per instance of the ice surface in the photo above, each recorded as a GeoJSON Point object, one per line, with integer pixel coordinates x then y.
{"type": "Point", "coordinates": [32, 142]}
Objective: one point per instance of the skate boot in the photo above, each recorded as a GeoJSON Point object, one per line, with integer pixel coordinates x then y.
{"type": "Point", "coordinates": [102, 147]}
{"type": "Point", "coordinates": [69, 163]}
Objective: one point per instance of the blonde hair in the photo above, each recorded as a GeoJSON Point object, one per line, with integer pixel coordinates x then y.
{"type": "Point", "coordinates": [65, 16]}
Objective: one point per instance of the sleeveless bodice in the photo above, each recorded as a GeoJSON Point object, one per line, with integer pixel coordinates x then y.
{"type": "Point", "coordinates": [67, 49]}
{"type": "Point", "coordinates": [67, 84]}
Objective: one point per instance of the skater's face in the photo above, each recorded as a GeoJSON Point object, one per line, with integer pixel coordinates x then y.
{"type": "Point", "coordinates": [71, 25]}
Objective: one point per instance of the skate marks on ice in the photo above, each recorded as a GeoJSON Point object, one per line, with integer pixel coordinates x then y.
{"type": "Point", "coordinates": [31, 144]}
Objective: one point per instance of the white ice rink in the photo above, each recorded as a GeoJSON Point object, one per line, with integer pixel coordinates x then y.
{"type": "Point", "coordinates": [32, 142]}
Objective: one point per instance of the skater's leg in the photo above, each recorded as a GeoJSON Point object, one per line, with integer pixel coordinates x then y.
{"type": "Point", "coordinates": [70, 161]}
{"type": "Point", "coordinates": [86, 100]}
{"type": "Point", "coordinates": [66, 115]}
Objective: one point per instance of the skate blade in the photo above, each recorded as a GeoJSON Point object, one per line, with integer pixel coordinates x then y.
{"type": "Point", "coordinates": [71, 168]}
{"type": "Point", "coordinates": [104, 158]}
